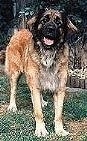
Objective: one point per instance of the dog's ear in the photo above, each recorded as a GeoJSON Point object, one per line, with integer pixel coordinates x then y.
{"type": "Point", "coordinates": [67, 23]}
{"type": "Point", "coordinates": [33, 22]}
{"type": "Point", "coordinates": [71, 25]}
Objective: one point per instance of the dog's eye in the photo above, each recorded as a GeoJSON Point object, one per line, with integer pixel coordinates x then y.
{"type": "Point", "coordinates": [58, 22]}
{"type": "Point", "coordinates": [45, 19]}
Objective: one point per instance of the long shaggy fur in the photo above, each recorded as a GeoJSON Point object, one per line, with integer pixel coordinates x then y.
{"type": "Point", "coordinates": [45, 66]}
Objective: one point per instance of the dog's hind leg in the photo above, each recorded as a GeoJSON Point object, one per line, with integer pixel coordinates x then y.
{"type": "Point", "coordinates": [43, 102]}
{"type": "Point", "coordinates": [13, 83]}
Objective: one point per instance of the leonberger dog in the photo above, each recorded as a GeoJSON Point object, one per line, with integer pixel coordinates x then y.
{"type": "Point", "coordinates": [42, 55]}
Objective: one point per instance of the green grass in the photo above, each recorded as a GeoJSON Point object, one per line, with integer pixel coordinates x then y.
{"type": "Point", "coordinates": [83, 137]}
{"type": "Point", "coordinates": [20, 126]}
{"type": "Point", "coordinates": [76, 106]}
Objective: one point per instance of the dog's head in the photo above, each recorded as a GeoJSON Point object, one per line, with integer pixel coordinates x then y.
{"type": "Point", "coordinates": [50, 27]}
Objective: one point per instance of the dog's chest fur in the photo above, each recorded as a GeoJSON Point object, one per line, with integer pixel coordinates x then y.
{"type": "Point", "coordinates": [48, 71]}
{"type": "Point", "coordinates": [48, 79]}
{"type": "Point", "coordinates": [49, 65]}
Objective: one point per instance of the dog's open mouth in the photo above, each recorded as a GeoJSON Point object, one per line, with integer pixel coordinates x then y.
{"type": "Point", "coordinates": [48, 41]}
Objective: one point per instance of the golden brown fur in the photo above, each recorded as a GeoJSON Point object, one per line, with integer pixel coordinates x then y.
{"type": "Point", "coordinates": [22, 57]}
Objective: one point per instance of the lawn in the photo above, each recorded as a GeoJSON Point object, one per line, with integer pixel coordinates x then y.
{"type": "Point", "coordinates": [20, 126]}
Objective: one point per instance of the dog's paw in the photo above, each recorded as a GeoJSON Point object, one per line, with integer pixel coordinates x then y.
{"type": "Point", "coordinates": [12, 108]}
{"type": "Point", "coordinates": [62, 132]}
{"type": "Point", "coordinates": [41, 131]}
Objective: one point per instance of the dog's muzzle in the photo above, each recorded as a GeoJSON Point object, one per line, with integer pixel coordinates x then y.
{"type": "Point", "coordinates": [50, 33]}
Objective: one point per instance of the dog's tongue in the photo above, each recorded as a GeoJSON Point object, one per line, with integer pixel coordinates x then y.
{"type": "Point", "coordinates": [48, 41]}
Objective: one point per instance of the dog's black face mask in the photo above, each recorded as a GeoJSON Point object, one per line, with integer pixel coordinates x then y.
{"type": "Point", "coordinates": [51, 29]}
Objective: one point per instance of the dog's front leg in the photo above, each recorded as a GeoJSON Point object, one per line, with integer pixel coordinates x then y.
{"type": "Point", "coordinates": [40, 125]}
{"type": "Point", "coordinates": [58, 101]}
{"type": "Point", "coordinates": [36, 99]}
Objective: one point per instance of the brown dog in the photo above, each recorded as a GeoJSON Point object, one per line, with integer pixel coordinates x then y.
{"type": "Point", "coordinates": [42, 55]}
